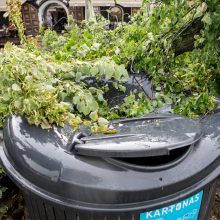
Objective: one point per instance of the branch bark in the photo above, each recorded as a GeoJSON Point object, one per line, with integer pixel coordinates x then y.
{"type": "Point", "coordinates": [185, 37]}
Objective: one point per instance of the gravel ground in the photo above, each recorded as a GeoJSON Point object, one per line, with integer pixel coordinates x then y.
{"type": "Point", "coordinates": [215, 215]}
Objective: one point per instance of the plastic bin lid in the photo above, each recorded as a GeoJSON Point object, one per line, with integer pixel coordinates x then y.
{"type": "Point", "coordinates": [42, 162]}
{"type": "Point", "coordinates": [155, 135]}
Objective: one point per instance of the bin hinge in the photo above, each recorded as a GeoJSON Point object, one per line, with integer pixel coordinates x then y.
{"type": "Point", "coordinates": [76, 139]}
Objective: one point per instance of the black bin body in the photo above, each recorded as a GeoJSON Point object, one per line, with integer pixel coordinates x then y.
{"type": "Point", "coordinates": [160, 167]}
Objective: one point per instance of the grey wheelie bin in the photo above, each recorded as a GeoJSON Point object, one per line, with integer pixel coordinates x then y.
{"type": "Point", "coordinates": [159, 167]}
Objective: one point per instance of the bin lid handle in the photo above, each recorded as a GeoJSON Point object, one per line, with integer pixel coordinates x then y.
{"type": "Point", "coordinates": [83, 145]}
{"type": "Point", "coordinates": [154, 135]}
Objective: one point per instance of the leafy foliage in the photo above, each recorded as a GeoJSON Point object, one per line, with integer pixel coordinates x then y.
{"type": "Point", "coordinates": [143, 45]}
{"type": "Point", "coordinates": [44, 90]}
{"type": "Point", "coordinates": [49, 85]}
{"type": "Point", "coordinates": [15, 15]}
{"type": "Point", "coordinates": [146, 44]}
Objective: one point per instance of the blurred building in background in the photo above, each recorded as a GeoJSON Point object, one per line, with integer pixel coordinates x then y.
{"type": "Point", "coordinates": [54, 13]}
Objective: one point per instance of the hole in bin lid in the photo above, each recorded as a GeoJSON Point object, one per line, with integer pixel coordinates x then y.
{"type": "Point", "coordinates": [150, 136]}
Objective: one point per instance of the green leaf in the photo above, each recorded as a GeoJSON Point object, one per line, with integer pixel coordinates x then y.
{"type": "Point", "coordinates": [102, 121]}
{"type": "Point", "coordinates": [76, 100]}
{"type": "Point", "coordinates": [6, 97]}
{"type": "Point", "coordinates": [122, 88]}
{"type": "Point", "coordinates": [49, 88]}
{"type": "Point", "coordinates": [100, 97]}
{"type": "Point", "coordinates": [45, 124]}
{"type": "Point", "coordinates": [86, 110]}
{"type": "Point", "coordinates": [94, 71]}
{"type": "Point", "coordinates": [93, 105]}
{"type": "Point", "coordinates": [78, 76]}
{"type": "Point", "coordinates": [94, 116]}
{"type": "Point", "coordinates": [18, 104]}
{"type": "Point", "coordinates": [16, 87]}
{"type": "Point", "coordinates": [207, 19]}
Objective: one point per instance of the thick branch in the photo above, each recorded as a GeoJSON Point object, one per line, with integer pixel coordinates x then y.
{"type": "Point", "coordinates": [184, 38]}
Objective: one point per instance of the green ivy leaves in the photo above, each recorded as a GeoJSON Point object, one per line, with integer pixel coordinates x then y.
{"type": "Point", "coordinates": [45, 91]}
{"type": "Point", "coordinates": [53, 77]}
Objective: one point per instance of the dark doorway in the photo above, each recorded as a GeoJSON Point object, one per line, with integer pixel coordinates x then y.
{"type": "Point", "coordinates": [55, 17]}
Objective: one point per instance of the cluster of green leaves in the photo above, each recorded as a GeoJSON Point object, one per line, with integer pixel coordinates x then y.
{"type": "Point", "coordinates": [146, 44]}
{"type": "Point", "coordinates": [46, 91]}
{"type": "Point", "coordinates": [136, 104]}
{"type": "Point", "coordinates": [15, 15]}
{"type": "Point", "coordinates": [196, 73]}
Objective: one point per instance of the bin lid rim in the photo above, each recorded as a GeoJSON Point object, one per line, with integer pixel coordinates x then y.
{"type": "Point", "coordinates": [48, 166]}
